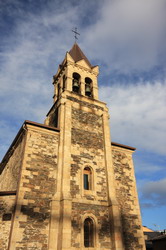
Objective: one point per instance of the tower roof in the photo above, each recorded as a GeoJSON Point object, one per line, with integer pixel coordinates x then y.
{"type": "Point", "coordinates": [77, 54]}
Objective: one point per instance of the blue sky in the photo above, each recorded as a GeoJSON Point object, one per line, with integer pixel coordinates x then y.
{"type": "Point", "coordinates": [127, 39]}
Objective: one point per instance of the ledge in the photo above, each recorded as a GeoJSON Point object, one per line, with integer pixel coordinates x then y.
{"type": "Point", "coordinates": [122, 146]}
{"type": "Point", "coordinates": [41, 125]}
{"type": "Point", "coordinates": [7, 193]}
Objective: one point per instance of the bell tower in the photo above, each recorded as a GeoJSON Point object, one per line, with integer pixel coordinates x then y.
{"type": "Point", "coordinates": [77, 75]}
{"type": "Point", "coordinates": [85, 200]}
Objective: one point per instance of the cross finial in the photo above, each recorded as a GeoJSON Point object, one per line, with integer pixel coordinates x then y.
{"type": "Point", "coordinates": [75, 33]}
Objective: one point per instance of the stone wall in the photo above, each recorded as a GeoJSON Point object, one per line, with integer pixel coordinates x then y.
{"type": "Point", "coordinates": [102, 224]}
{"type": "Point", "coordinates": [127, 199]}
{"type": "Point", "coordinates": [10, 175]}
{"type": "Point", "coordinates": [6, 211]}
{"type": "Point", "coordinates": [9, 179]}
{"type": "Point", "coordinates": [87, 151]}
{"type": "Point", "coordinates": [38, 185]}
{"type": "Point", "coordinates": [85, 104]}
{"type": "Point", "coordinates": [52, 116]}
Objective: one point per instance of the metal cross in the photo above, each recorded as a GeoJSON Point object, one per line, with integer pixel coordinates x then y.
{"type": "Point", "coordinates": [75, 33]}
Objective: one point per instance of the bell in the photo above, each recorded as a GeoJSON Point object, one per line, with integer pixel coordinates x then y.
{"type": "Point", "coordinates": [75, 83]}
{"type": "Point", "coordinates": [87, 90]}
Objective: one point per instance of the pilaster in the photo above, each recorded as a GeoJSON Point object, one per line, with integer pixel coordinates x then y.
{"type": "Point", "coordinates": [95, 93]}
{"type": "Point", "coordinates": [82, 87]}
{"type": "Point", "coordinates": [69, 83]}
{"type": "Point", "coordinates": [63, 185]}
{"type": "Point", "coordinates": [115, 221]}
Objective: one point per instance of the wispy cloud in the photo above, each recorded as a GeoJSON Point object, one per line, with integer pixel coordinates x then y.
{"type": "Point", "coordinates": [129, 35]}
{"type": "Point", "coordinates": [138, 114]}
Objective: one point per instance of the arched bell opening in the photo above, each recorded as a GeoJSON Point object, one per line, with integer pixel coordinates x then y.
{"type": "Point", "coordinates": [88, 87]}
{"type": "Point", "coordinates": [88, 232]}
{"type": "Point", "coordinates": [76, 83]}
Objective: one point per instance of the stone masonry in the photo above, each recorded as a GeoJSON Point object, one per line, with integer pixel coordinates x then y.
{"type": "Point", "coordinates": [127, 198]}
{"type": "Point", "coordinates": [88, 151]}
{"type": "Point", "coordinates": [8, 185]}
{"type": "Point", "coordinates": [37, 185]}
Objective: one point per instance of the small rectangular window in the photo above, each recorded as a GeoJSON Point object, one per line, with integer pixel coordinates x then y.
{"type": "Point", "coordinates": [86, 181]}
{"type": "Point", "coordinates": [7, 217]}
{"type": "Point", "coordinates": [87, 174]}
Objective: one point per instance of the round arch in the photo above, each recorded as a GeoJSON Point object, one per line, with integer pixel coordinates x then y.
{"type": "Point", "coordinates": [76, 82]}
{"type": "Point", "coordinates": [88, 86]}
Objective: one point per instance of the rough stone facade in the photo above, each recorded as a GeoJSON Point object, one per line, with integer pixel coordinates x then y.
{"type": "Point", "coordinates": [101, 214]}
{"type": "Point", "coordinates": [83, 103]}
{"type": "Point", "coordinates": [126, 194]}
{"type": "Point", "coordinates": [87, 148]}
{"type": "Point", "coordinates": [38, 185]}
{"type": "Point", "coordinates": [9, 179]}
{"type": "Point", "coordinates": [87, 151]}
{"type": "Point", "coordinates": [10, 175]}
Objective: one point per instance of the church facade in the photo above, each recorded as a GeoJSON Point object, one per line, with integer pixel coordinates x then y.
{"type": "Point", "coordinates": [64, 184]}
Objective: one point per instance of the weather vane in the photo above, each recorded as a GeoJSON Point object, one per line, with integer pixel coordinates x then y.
{"type": "Point", "coordinates": [75, 33]}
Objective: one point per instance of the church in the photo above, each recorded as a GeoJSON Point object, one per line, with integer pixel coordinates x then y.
{"type": "Point", "coordinates": [64, 184]}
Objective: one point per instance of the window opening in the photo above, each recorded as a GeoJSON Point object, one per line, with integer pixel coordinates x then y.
{"type": "Point", "coordinates": [58, 94]}
{"type": "Point", "coordinates": [88, 89]}
{"type": "Point", "coordinates": [6, 217]}
{"type": "Point", "coordinates": [88, 233]}
{"type": "Point", "coordinates": [76, 83]}
{"type": "Point", "coordinates": [87, 178]}
{"type": "Point", "coordinates": [64, 82]}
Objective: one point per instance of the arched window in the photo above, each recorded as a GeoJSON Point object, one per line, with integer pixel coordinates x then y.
{"type": "Point", "coordinates": [88, 233]}
{"type": "Point", "coordinates": [88, 87]}
{"type": "Point", "coordinates": [76, 82]}
{"type": "Point", "coordinates": [87, 178]}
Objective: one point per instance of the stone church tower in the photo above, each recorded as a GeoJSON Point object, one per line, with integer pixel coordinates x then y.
{"type": "Point", "coordinates": [64, 184]}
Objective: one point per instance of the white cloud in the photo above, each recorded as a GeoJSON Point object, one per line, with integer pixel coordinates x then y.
{"type": "Point", "coordinates": [29, 58]}
{"type": "Point", "coordinates": [126, 35]}
{"type": "Point", "coordinates": [129, 35]}
{"type": "Point", "coordinates": [138, 114]}
{"type": "Point", "coordinates": [25, 77]}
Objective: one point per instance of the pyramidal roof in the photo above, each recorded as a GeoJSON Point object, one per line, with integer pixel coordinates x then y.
{"type": "Point", "coordinates": [77, 54]}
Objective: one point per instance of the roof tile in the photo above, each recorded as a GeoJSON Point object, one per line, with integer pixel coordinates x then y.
{"type": "Point", "coordinates": [77, 54]}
